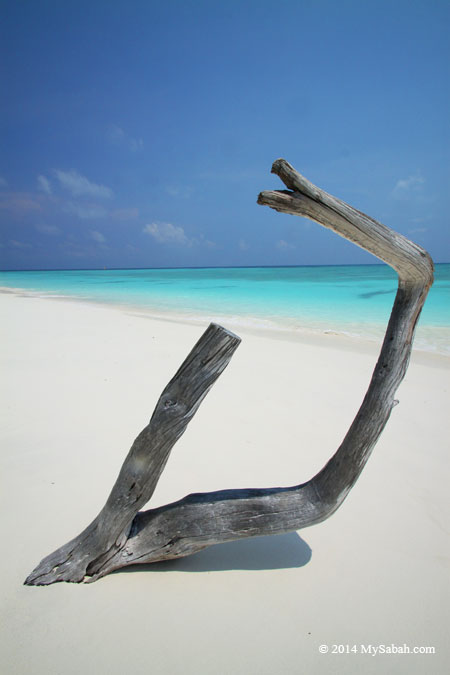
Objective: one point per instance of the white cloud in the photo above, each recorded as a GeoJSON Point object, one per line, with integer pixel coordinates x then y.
{"type": "Point", "coordinates": [243, 245]}
{"type": "Point", "coordinates": [406, 186]}
{"type": "Point", "coordinates": [79, 185]}
{"type": "Point", "coordinates": [44, 185]}
{"type": "Point", "coordinates": [166, 233]}
{"type": "Point", "coordinates": [284, 245]}
{"type": "Point", "coordinates": [97, 236]}
{"type": "Point", "coordinates": [117, 136]}
{"type": "Point", "coordinates": [3, 182]}
{"type": "Point", "coordinates": [48, 229]}
{"type": "Point", "coordinates": [86, 211]}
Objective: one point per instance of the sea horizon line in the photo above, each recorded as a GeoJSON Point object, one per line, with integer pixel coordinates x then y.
{"type": "Point", "coordinates": [200, 267]}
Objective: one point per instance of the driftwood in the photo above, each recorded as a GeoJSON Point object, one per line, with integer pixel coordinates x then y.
{"type": "Point", "coordinates": [121, 535]}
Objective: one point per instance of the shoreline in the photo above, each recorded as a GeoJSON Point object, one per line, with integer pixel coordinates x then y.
{"type": "Point", "coordinates": [277, 330]}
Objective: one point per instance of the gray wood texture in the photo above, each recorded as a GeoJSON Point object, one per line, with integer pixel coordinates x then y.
{"type": "Point", "coordinates": [143, 465]}
{"type": "Point", "coordinates": [121, 535]}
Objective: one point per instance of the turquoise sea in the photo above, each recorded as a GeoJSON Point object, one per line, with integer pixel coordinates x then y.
{"type": "Point", "coordinates": [351, 299]}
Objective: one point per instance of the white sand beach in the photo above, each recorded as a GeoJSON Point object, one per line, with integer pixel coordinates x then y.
{"type": "Point", "coordinates": [80, 381]}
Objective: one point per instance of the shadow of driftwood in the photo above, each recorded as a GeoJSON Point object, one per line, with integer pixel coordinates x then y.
{"type": "Point", "coordinates": [257, 553]}
{"type": "Point", "coordinates": [372, 294]}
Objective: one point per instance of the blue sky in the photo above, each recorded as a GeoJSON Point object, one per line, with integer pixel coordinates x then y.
{"type": "Point", "coordinates": [139, 133]}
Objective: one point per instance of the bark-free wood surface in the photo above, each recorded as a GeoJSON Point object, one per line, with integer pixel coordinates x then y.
{"type": "Point", "coordinates": [122, 536]}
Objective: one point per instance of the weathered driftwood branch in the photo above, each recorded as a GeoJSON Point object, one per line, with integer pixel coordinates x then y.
{"type": "Point", "coordinates": [201, 520]}
{"type": "Point", "coordinates": [144, 464]}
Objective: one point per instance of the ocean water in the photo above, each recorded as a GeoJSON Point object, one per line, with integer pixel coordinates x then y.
{"type": "Point", "coordinates": [355, 300]}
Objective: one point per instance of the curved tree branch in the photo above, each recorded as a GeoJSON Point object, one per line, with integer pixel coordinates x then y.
{"type": "Point", "coordinates": [201, 520]}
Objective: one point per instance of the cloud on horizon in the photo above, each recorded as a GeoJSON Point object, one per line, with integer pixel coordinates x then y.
{"type": "Point", "coordinates": [97, 236]}
{"type": "Point", "coordinates": [166, 233]}
{"type": "Point", "coordinates": [78, 185]}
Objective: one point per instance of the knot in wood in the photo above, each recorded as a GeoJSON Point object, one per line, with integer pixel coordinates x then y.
{"type": "Point", "coordinates": [169, 403]}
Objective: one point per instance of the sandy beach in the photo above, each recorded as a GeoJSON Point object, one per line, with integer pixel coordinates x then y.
{"type": "Point", "coordinates": [80, 381]}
